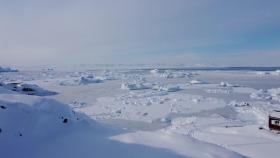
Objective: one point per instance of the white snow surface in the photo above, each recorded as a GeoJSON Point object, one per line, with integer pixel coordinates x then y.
{"type": "Point", "coordinates": [138, 113]}
{"type": "Point", "coordinates": [33, 127]}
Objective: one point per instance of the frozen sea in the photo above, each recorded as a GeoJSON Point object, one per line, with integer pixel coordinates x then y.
{"type": "Point", "coordinates": [139, 112]}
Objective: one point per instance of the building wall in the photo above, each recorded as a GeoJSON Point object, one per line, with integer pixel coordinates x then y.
{"type": "Point", "coordinates": [274, 123]}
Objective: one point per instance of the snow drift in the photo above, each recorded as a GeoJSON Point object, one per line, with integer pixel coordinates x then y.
{"type": "Point", "coordinates": [28, 89]}
{"type": "Point", "coordinates": [32, 127]}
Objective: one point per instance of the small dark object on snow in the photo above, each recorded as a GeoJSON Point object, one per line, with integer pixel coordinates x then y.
{"type": "Point", "coordinates": [119, 111]}
{"type": "Point", "coordinates": [3, 107]}
{"type": "Point", "coordinates": [26, 89]}
{"type": "Point", "coordinates": [65, 120]}
{"type": "Point", "coordinates": [145, 114]}
{"type": "Point", "coordinates": [0, 130]}
{"type": "Point", "coordinates": [233, 126]}
{"type": "Point", "coordinates": [260, 128]}
{"type": "Point", "coordinates": [242, 104]}
{"type": "Point", "coordinates": [20, 134]}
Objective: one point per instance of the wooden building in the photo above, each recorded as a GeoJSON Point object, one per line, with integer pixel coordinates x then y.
{"type": "Point", "coordinates": [274, 120]}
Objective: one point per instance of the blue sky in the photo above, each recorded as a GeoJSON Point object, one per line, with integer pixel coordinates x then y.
{"type": "Point", "coordinates": [190, 32]}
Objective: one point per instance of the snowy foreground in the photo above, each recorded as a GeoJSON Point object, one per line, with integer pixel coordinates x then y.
{"type": "Point", "coordinates": [138, 113]}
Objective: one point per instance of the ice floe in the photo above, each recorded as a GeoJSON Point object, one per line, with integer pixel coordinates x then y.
{"type": "Point", "coordinates": [167, 88]}
{"type": "Point", "coordinates": [262, 73]}
{"type": "Point", "coordinates": [134, 86]}
{"type": "Point", "coordinates": [83, 80]}
{"type": "Point", "coordinates": [197, 82]}
{"type": "Point", "coordinates": [270, 94]}
{"type": "Point", "coordinates": [7, 69]}
{"type": "Point", "coordinates": [171, 74]}
{"type": "Point", "coordinates": [90, 79]}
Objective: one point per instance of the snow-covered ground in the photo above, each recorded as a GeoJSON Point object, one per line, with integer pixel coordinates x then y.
{"type": "Point", "coordinates": [138, 113]}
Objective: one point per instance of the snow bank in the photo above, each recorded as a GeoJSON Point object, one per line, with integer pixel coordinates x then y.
{"type": "Point", "coordinates": [32, 127]}
{"type": "Point", "coordinates": [28, 89]}
{"type": "Point", "coordinates": [27, 120]}
{"type": "Point", "coordinates": [184, 145]}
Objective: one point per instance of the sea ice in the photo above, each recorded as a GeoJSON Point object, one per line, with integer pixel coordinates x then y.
{"type": "Point", "coordinates": [90, 79]}
{"type": "Point", "coordinates": [7, 69]}
{"type": "Point", "coordinates": [197, 82]}
{"type": "Point", "coordinates": [134, 86]}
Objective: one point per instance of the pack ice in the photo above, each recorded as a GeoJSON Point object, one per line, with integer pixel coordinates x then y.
{"type": "Point", "coordinates": [138, 113]}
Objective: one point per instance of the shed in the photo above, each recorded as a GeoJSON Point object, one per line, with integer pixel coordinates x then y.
{"type": "Point", "coordinates": [274, 120]}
